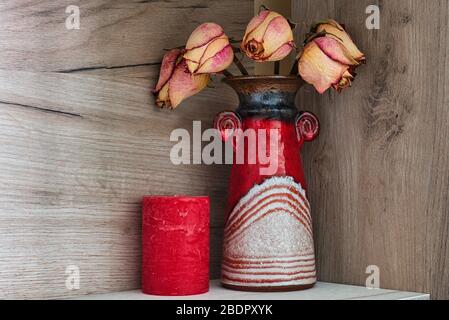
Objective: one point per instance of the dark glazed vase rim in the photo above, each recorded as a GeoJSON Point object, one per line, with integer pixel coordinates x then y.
{"type": "Point", "coordinates": [269, 97]}
{"type": "Point", "coordinates": [252, 84]}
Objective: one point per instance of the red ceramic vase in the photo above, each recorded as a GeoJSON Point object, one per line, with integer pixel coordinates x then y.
{"type": "Point", "coordinates": [268, 243]}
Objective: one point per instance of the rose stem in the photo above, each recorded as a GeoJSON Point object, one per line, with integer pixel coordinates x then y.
{"type": "Point", "coordinates": [180, 47]}
{"type": "Point", "coordinates": [277, 67]}
{"type": "Point", "coordinates": [262, 8]}
{"type": "Point", "coordinates": [240, 66]}
{"type": "Point", "coordinates": [294, 68]}
{"type": "Point", "coordinates": [226, 73]}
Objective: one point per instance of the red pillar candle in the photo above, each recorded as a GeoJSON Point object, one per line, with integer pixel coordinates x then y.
{"type": "Point", "coordinates": [175, 245]}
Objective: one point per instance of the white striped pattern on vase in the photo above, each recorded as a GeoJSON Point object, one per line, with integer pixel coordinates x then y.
{"type": "Point", "coordinates": [268, 237]}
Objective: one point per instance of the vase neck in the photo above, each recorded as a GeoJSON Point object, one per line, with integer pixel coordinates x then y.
{"type": "Point", "coordinates": [268, 97]}
{"type": "Point", "coordinates": [268, 103]}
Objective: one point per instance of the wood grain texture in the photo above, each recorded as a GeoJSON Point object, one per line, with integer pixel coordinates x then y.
{"type": "Point", "coordinates": [81, 140]}
{"type": "Point", "coordinates": [379, 173]}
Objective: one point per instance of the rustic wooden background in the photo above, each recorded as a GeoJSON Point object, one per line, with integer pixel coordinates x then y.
{"type": "Point", "coordinates": [379, 173]}
{"type": "Point", "coordinates": [81, 140]}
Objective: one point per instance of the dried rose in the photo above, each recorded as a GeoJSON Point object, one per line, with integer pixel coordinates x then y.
{"type": "Point", "coordinates": [175, 82]}
{"type": "Point", "coordinates": [316, 68]}
{"type": "Point", "coordinates": [328, 60]}
{"type": "Point", "coordinates": [335, 30]}
{"type": "Point", "coordinates": [208, 50]}
{"type": "Point", "coordinates": [268, 37]}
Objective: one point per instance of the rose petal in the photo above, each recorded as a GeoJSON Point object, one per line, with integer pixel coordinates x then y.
{"type": "Point", "coordinates": [183, 84]}
{"type": "Point", "coordinates": [204, 42]}
{"type": "Point", "coordinates": [163, 99]}
{"type": "Point", "coordinates": [196, 55]}
{"type": "Point", "coordinates": [345, 81]}
{"type": "Point", "coordinates": [167, 67]}
{"type": "Point", "coordinates": [335, 50]}
{"type": "Point", "coordinates": [316, 68]}
{"type": "Point", "coordinates": [281, 53]}
{"type": "Point", "coordinates": [335, 29]}
{"type": "Point", "coordinates": [255, 22]}
{"type": "Point", "coordinates": [277, 34]}
{"type": "Point", "coordinates": [203, 35]}
{"type": "Point", "coordinates": [259, 32]}
{"type": "Point", "coordinates": [192, 65]}
{"type": "Point", "coordinates": [214, 47]}
{"type": "Point", "coordinates": [253, 49]}
{"type": "Point", "coordinates": [196, 59]}
{"type": "Point", "coordinates": [193, 57]}
{"type": "Point", "coordinates": [218, 62]}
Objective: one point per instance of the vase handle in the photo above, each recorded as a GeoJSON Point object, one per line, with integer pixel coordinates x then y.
{"type": "Point", "coordinates": [227, 122]}
{"type": "Point", "coordinates": [307, 127]}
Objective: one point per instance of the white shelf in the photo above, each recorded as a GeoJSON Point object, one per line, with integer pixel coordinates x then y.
{"type": "Point", "coordinates": [322, 291]}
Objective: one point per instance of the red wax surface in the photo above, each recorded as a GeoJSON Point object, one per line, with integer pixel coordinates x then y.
{"type": "Point", "coordinates": [245, 176]}
{"type": "Point", "coordinates": [175, 245]}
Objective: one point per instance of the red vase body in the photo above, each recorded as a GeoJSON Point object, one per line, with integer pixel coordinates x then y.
{"type": "Point", "coordinates": [268, 244]}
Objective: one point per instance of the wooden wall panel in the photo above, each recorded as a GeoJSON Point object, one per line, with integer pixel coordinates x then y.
{"type": "Point", "coordinates": [379, 173]}
{"type": "Point", "coordinates": [81, 140]}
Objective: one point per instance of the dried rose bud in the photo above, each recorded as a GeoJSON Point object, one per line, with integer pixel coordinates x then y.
{"type": "Point", "coordinates": [329, 60]}
{"type": "Point", "coordinates": [208, 50]}
{"type": "Point", "coordinates": [169, 62]}
{"type": "Point", "coordinates": [322, 71]}
{"type": "Point", "coordinates": [268, 37]}
{"type": "Point", "coordinates": [334, 29]}
{"type": "Point", "coordinates": [175, 82]}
